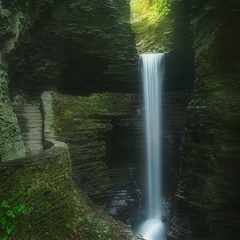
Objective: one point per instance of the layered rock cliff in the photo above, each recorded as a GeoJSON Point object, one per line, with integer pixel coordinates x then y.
{"type": "Point", "coordinates": [207, 197]}
{"type": "Point", "coordinates": [75, 46]}
{"type": "Point", "coordinates": [82, 47]}
{"type": "Point", "coordinates": [17, 18]}
{"type": "Point", "coordinates": [71, 46]}
{"type": "Point", "coordinates": [84, 124]}
{"type": "Point", "coordinates": [78, 45]}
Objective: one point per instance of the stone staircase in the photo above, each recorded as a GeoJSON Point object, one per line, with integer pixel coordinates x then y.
{"type": "Point", "coordinates": [30, 121]}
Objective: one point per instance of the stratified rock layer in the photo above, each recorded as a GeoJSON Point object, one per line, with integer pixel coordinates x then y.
{"type": "Point", "coordinates": [77, 46]}
{"type": "Point", "coordinates": [208, 196]}
{"type": "Point", "coordinates": [84, 123]}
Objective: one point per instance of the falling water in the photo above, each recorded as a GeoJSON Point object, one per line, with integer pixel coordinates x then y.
{"type": "Point", "coordinates": [152, 71]}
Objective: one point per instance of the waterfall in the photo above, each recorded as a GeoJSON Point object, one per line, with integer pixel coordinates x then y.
{"type": "Point", "coordinates": [152, 71]}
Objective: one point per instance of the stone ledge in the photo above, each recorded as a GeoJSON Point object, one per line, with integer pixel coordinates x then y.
{"type": "Point", "coordinates": [48, 121]}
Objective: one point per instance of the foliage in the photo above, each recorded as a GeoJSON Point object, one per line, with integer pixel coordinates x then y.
{"type": "Point", "coordinates": [2, 84]}
{"type": "Point", "coordinates": [105, 103]}
{"type": "Point", "coordinates": [7, 214]}
{"type": "Point", "coordinates": [67, 113]}
{"type": "Point", "coordinates": [158, 11]}
{"type": "Point", "coordinates": [139, 7]}
{"type": "Point", "coordinates": [154, 10]}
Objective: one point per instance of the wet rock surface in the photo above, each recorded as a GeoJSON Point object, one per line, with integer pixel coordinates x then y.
{"type": "Point", "coordinates": [207, 197]}
{"type": "Point", "coordinates": [126, 162]}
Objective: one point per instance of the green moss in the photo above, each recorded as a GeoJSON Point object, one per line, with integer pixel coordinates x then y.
{"type": "Point", "coordinates": [182, 97]}
{"type": "Point", "coordinates": [155, 10]}
{"type": "Point", "coordinates": [11, 145]}
{"type": "Point", "coordinates": [56, 210]}
{"type": "Point", "coordinates": [44, 185]}
{"type": "Point", "coordinates": [93, 223]}
{"type": "Point", "coordinates": [81, 111]}
{"type": "Point", "coordinates": [153, 23]}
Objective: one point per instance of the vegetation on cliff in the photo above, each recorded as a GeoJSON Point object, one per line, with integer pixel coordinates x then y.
{"type": "Point", "coordinates": [153, 23]}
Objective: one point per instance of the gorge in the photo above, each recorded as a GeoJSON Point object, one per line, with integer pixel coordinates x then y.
{"type": "Point", "coordinates": [76, 64]}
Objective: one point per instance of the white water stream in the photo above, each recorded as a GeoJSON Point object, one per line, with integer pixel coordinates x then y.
{"type": "Point", "coordinates": [152, 71]}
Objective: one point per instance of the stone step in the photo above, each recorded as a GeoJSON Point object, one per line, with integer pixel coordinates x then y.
{"type": "Point", "coordinates": [34, 142]}
{"type": "Point", "coordinates": [31, 131]}
{"type": "Point", "coordinates": [29, 116]}
{"type": "Point", "coordinates": [22, 111]}
{"type": "Point", "coordinates": [22, 121]}
{"type": "Point", "coordinates": [31, 124]}
{"type": "Point", "coordinates": [30, 148]}
{"type": "Point", "coordinates": [30, 140]}
{"type": "Point", "coordinates": [33, 147]}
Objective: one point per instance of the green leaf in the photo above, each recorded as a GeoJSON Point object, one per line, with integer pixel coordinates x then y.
{"type": "Point", "coordinates": [4, 204]}
{"type": "Point", "coordinates": [3, 222]}
{"type": "Point", "coordinates": [24, 208]}
{"type": "Point", "coordinates": [21, 209]}
{"type": "Point", "coordinates": [68, 225]}
{"type": "Point", "coordinates": [11, 229]}
{"type": "Point", "coordinates": [10, 213]}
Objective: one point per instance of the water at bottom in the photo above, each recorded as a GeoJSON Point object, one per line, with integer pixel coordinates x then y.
{"type": "Point", "coordinates": [153, 229]}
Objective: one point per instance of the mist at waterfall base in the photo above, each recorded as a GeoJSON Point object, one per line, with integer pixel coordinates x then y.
{"type": "Point", "coordinates": [152, 72]}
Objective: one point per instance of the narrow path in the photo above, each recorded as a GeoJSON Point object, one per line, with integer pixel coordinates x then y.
{"type": "Point", "coordinates": [30, 121]}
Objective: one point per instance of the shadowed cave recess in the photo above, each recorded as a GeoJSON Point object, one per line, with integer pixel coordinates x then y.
{"type": "Point", "coordinates": [72, 123]}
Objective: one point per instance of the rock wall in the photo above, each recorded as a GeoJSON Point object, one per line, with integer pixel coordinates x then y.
{"type": "Point", "coordinates": [76, 46]}
{"type": "Point", "coordinates": [126, 161]}
{"type": "Point", "coordinates": [207, 197]}
{"type": "Point", "coordinates": [16, 20]}
{"type": "Point", "coordinates": [39, 199]}
{"type": "Point", "coordinates": [84, 124]}
{"type": "Point", "coordinates": [11, 144]}
{"type": "Point", "coordinates": [43, 184]}
{"type": "Point", "coordinates": [168, 33]}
